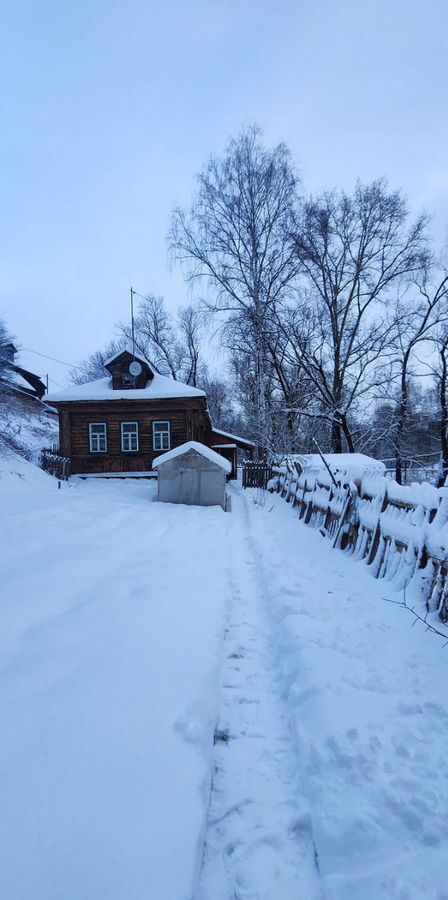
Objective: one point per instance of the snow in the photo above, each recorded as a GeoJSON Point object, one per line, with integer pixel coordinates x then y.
{"type": "Point", "coordinates": [204, 451]}
{"type": "Point", "coordinates": [368, 709]}
{"type": "Point", "coordinates": [160, 387]}
{"type": "Point", "coordinates": [134, 632]}
{"type": "Point", "coordinates": [232, 436]}
{"type": "Point", "coordinates": [28, 427]}
{"type": "Point", "coordinates": [134, 356]}
{"type": "Point", "coordinates": [112, 610]}
{"type": "Point", "coordinates": [353, 465]}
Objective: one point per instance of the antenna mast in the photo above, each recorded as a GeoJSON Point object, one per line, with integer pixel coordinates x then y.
{"type": "Point", "coordinates": [132, 322]}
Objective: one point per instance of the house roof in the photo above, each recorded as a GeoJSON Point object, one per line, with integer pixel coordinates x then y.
{"type": "Point", "coordinates": [134, 356]}
{"type": "Point", "coordinates": [160, 387]}
{"type": "Point", "coordinates": [21, 380]}
{"type": "Point", "coordinates": [207, 452]}
{"type": "Point", "coordinates": [233, 437]}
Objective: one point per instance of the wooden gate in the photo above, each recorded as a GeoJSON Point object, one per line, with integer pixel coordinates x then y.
{"type": "Point", "coordinates": [256, 474]}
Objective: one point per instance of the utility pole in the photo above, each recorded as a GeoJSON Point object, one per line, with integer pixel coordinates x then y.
{"type": "Point", "coordinates": [132, 321]}
{"type": "Point", "coordinates": [46, 381]}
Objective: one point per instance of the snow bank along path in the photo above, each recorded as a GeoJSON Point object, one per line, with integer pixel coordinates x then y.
{"type": "Point", "coordinates": [368, 711]}
{"type": "Point", "coordinates": [114, 673]}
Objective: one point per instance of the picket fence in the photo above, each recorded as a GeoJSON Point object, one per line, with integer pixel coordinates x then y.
{"type": "Point", "coordinates": [400, 531]}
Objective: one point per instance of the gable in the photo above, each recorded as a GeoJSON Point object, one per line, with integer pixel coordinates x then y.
{"type": "Point", "coordinates": [122, 379]}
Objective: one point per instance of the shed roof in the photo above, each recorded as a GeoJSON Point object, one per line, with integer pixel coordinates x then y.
{"type": "Point", "coordinates": [235, 437]}
{"type": "Point", "coordinates": [207, 452]}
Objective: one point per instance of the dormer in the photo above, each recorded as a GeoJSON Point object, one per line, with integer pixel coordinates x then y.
{"type": "Point", "coordinates": [122, 378]}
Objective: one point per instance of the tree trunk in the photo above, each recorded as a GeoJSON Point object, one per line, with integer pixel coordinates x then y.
{"type": "Point", "coordinates": [401, 419]}
{"type": "Point", "coordinates": [443, 417]}
{"type": "Point", "coordinates": [336, 435]}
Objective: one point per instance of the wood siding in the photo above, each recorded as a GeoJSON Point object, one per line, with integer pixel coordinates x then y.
{"type": "Point", "coordinates": [188, 420]}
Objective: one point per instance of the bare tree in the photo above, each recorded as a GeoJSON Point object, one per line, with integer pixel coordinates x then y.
{"type": "Point", "coordinates": [171, 343]}
{"type": "Point", "coordinates": [191, 328]}
{"type": "Point", "coordinates": [92, 368]}
{"type": "Point", "coordinates": [417, 319]}
{"type": "Point", "coordinates": [353, 252]}
{"type": "Point", "coordinates": [236, 238]}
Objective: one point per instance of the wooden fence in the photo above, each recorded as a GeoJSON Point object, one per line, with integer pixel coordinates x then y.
{"type": "Point", "coordinates": [54, 464]}
{"type": "Point", "coordinates": [400, 531]}
{"type": "Point", "coordinates": [256, 474]}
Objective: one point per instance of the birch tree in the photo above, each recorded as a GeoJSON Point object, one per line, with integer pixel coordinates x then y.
{"type": "Point", "coordinates": [236, 239]}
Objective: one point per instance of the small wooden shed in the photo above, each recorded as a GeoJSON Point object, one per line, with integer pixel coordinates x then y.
{"type": "Point", "coordinates": [192, 474]}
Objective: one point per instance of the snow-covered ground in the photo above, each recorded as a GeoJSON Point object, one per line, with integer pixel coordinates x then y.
{"type": "Point", "coordinates": [26, 425]}
{"type": "Point", "coordinates": [112, 616]}
{"type": "Point", "coordinates": [130, 629]}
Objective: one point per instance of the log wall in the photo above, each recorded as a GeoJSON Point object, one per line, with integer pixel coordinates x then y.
{"type": "Point", "coordinates": [187, 417]}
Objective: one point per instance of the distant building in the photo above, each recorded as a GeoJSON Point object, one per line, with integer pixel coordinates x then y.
{"type": "Point", "coordinates": [15, 377]}
{"type": "Point", "coordinates": [121, 423]}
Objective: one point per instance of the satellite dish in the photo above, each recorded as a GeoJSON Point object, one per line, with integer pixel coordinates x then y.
{"type": "Point", "coordinates": [135, 368]}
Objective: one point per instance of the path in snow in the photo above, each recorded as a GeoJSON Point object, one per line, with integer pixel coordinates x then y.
{"type": "Point", "coordinates": [258, 843]}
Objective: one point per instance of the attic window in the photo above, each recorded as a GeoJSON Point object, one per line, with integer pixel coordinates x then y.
{"type": "Point", "coordinates": [127, 378]}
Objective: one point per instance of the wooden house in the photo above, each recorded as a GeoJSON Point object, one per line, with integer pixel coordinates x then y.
{"type": "Point", "coordinates": [121, 423]}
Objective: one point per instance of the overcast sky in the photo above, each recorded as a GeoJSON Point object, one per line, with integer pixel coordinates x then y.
{"type": "Point", "coordinates": [108, 110]}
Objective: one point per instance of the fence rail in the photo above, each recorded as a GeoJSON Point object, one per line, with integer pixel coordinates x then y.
{"type": "Point", "coordinates": [54, 464]}
{"type": "Point", "coordinates": [400, 531]}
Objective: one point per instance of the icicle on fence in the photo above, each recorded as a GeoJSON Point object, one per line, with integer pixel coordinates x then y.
{"type": "Point", "coordinates": [400, 531]}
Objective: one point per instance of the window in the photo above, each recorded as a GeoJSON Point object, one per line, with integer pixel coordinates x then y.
{"type": "Point", "coordinates": [129, 436]}
{"type": "Point", "coordinates": [98, 437]}
{"type": "Point", "coordinates": [161, 436]}
{"type": "Point", "coordinates": [127, 380]}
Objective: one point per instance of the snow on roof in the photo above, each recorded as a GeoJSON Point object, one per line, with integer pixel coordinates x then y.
{"type": "Point", "coordinates": [160, 387]}
{"type": "Point", "coordinates": [207, 452]}
{"type": "Point", "coordinates": [134, 356]}
{"type": "Point", "coordinates": [355, 465]}
{"type": "Point", "coordinates": [14, 379]}
{"type": "Point", "coordinates": [234, 436]}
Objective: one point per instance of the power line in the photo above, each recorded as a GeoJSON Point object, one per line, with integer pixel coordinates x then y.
{"type": "Point", "coordinates": [53, 358]}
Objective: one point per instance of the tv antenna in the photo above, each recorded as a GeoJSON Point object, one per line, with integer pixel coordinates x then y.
{"type": "Point", "coordinates": [132, 321]}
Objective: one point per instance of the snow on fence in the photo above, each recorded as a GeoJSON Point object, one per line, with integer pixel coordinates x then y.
{"type": "Point", "coordinates": [400, 531]}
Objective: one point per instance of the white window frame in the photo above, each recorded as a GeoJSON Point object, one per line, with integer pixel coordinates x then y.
{"type": "Point", "coordinates": [127, 435]}
{"type": "Point", "coordinates": [94, 437]}
{"type": "Point", "coordinates": [158, 435]}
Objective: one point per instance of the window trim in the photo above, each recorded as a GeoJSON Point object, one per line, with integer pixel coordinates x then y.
{"type": "Point", "coordinates": [136, 431]}
{"type": "Point", "coordinates": [165, 431]}
{"type": "Point", "coordinates": [91, 449]}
